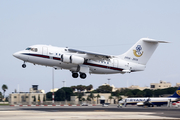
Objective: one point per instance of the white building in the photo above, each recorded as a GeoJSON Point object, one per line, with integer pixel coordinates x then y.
{"type": "Point", "coordinates": [161, 85]}
{"type": "Point", "coordinates": [132, 87]}
{"type": "Point", "coordinates": [177, 85]}
{"type": "Point", "coordinates": [104, 98]}
{"type": "Point", "coordinates": [27, 97]}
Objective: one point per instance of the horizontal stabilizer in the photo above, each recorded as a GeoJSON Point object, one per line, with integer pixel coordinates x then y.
{"type": "Point", "coordinates": [155, 41]}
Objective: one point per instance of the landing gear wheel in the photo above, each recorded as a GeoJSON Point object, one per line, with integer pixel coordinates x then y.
{"type": "Point", "coordinates": [24, 65]}
{"type": "Point", "coordinates": [83, 75]}
{"type": "Point", "coordinates": [75, 75]}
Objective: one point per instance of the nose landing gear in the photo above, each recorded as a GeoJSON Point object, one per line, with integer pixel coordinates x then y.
{"type": "Point", "coordinates": [24, 65]}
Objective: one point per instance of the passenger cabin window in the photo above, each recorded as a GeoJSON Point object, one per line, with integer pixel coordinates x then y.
{"type": "Point", "coordinates": [32, 49]}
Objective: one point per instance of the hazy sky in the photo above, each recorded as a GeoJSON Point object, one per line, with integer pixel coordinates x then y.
{"type": "Point", "coordinates": [105, 26]}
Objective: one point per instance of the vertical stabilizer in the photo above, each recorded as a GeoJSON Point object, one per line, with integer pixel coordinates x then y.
{"type": "Point", "coordinates": [142, 50]}
{"type": "Point", "coordinates": [176, 94]}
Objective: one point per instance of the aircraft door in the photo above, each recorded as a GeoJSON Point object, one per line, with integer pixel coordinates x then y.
{"type": "Point", "coordinates": [115, 63]}
{"type": "Point", "coordinates": [45, 51]}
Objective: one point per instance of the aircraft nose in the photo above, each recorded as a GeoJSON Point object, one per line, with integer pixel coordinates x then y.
{"type": "Point", "coordinates": [16, 54]}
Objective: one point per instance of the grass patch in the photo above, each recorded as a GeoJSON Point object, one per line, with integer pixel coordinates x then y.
{"type": "Point", "coordinates": [4, 104]}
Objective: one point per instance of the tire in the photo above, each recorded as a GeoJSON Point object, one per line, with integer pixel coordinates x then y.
{"type": "Point", "coordinates": [75, 75]}
{"type": "Point", "coordinates": [24, 65]}
{"type": "Point", "coordinates": [83, 75]}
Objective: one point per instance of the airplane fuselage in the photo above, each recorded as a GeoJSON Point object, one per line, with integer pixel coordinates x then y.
{"type": "Point", "coordinates": [52, 56]}
{"type": "Point", "coordinates": [154, 101]}
{"type": "Point", "coordinates": [81, 62]}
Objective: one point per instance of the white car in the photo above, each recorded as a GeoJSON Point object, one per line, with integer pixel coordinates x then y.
{"type": "Point", "coordinates": [105, 104]}
{"type": "Point", "coordinates": [84, 104]}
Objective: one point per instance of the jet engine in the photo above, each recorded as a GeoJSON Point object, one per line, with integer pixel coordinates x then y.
{"type": "Point", "coordinates": [140, 104]}
{"type": "Point", "coordinates": [72, 59]}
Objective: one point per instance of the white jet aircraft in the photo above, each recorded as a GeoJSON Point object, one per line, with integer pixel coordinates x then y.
{"type": "Point", "coordinates": [153, 100]}
{"type": "Point", "coordinates": [82, 62]}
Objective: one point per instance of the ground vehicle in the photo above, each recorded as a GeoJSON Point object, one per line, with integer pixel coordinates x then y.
{"type": "Point", "coordinates": [105, 104]}
{"type": "Point", "coordinates": [84, 104]}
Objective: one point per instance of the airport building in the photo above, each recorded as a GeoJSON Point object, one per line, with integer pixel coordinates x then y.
{"type": "Point", "coordinates": [161, 85]}
{"type": "Point", "coordinates": [104, 98]}
{"type": "Point", "coordinates": [132, 87]}
{"type": "Point", "coordinates": [177, 85]}
{"type": "Point", "coordinates": [153, 86]}
{"type": "Point", "coordinates": [33, 96]}
{"type": "Point", "coordinates": [54, 90]}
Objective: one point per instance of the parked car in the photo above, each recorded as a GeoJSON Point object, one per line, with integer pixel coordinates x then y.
{"type": "Point", "coordinates": [105, 104]}
{"type": "Point", "coordinates": [84, 104]}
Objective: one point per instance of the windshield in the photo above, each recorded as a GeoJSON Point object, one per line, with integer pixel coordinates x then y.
{"type": "Point", "coordinates": [28, 48]}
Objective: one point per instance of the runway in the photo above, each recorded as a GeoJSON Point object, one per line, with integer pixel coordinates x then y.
{"type": "Point", "coordinates": [87, 112]}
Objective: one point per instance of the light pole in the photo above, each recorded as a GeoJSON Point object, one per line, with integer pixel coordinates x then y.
{"type": "Point", "coordinates": [53, 85]}
{"type": "Point", "coordinates": [109, 81]}
{"type": "Point", "coordinates": [63, 83]}
{"type": "Point", "coordinates": [64, 91]}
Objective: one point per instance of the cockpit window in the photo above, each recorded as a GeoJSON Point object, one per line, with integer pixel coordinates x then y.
{"type": "Point", "coordinates": [32, 49]}
{"type": "Point", "coordinates": [28, 48]}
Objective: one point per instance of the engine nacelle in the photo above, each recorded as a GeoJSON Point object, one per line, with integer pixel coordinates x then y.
{"type": "Point", "coordinates": [140, 104]}
{"type": "Point", "coordinates": [72, 59]}
{"type": "Point", "coordinates": [76, 59]}
{"type": "Point", "coordinates": [65, 58]}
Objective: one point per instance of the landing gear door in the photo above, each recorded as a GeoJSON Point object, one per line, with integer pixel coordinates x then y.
{"type": "Point", "coordinates": [83, 69]}
{"type": "Point", "coordinates": [45, 51]}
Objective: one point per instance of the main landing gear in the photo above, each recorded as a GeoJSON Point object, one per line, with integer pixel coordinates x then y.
{"type": "Point", "coordinates": [82, 75]}
{"type": "Point", "coordinates": [24, 65]}
{"type": "Point", "coordinates": [75, 75]}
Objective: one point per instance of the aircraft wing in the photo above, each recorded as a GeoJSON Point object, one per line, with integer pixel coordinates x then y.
{"type": "Point", "coordinates": [91, 54]}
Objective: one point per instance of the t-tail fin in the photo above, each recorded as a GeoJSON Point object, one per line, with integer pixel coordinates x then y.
{"type": "Point", "coordinates": [176, 94]}
{"type": "Point", "coordinates": [142, 51]}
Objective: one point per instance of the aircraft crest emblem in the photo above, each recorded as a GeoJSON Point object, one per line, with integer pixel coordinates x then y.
{"type": "Point", "coordinates": [138, 52]}
{"type": "Point", "coordinates": [178, 92]}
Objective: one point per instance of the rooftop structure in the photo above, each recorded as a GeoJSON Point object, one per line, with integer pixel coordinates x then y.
{"type": "Point", "coordinates": [161, 85]}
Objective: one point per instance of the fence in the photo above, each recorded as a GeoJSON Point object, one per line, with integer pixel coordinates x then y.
{"type": "Point", "coordinates": [4, 102]}
{"type": "Point", "coordinates": [56, 103]}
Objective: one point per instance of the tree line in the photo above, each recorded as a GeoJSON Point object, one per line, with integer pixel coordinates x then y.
{"type": "Point", "coordinates": [65, 93]}
{"type": "Point", "coordinates": [81, 88]}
